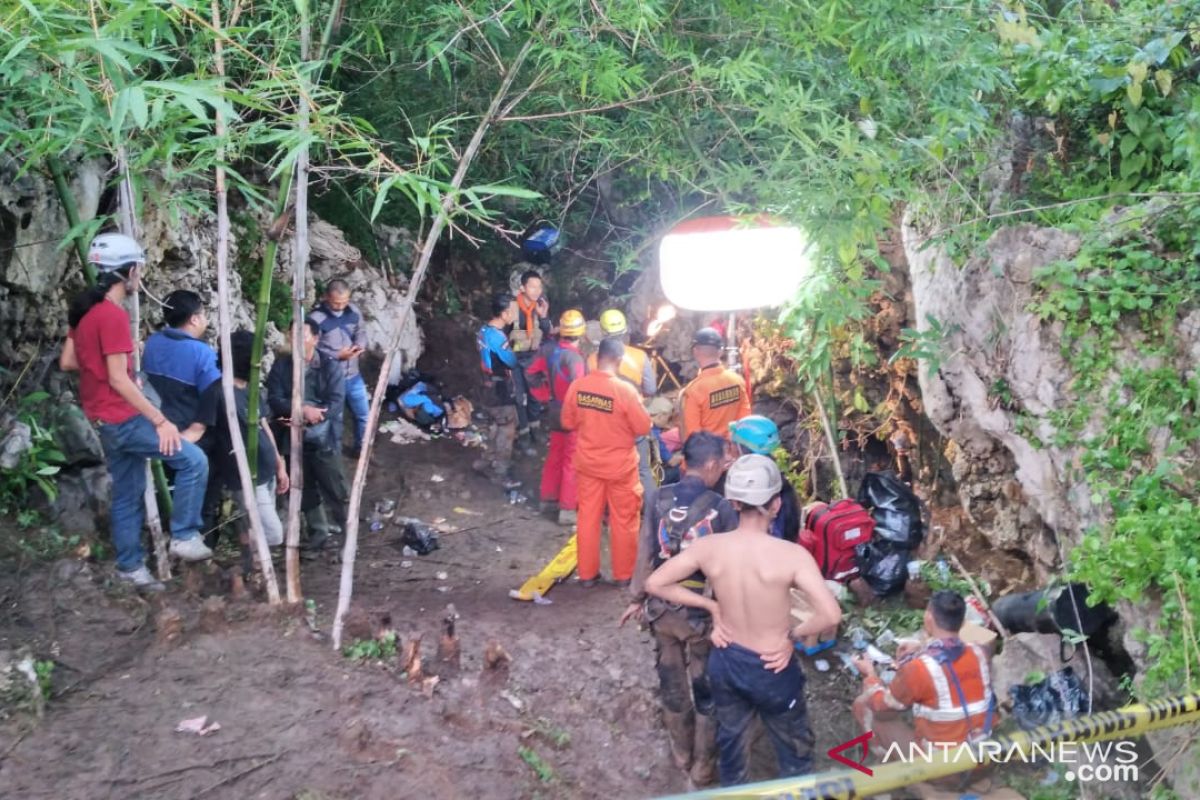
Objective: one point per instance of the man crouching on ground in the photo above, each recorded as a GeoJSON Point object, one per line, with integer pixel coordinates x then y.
{"type": "Point", "coordinates": [753, 667]}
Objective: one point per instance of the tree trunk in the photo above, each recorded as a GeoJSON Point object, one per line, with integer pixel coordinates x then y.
{"type": "Point", "coordinates": [225, 325]}
{"type": "Point", "coordinates": [346, 586]}
{"type": "Point", "coordinates": [262, 309]}
{"type": "Point", "coordinates": [299, 267]}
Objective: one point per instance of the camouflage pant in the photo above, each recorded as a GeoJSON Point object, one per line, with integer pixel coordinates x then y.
{"type": "Point", "coordinates": [681, 645]}
{"type": "Point", "coordinates": [502, 433]}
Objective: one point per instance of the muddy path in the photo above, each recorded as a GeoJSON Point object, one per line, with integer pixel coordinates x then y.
{"type": "Point", "coordinates": [573, 715]}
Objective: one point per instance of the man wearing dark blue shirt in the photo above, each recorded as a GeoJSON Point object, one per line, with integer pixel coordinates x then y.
{"type": "Point", "coordinates": [182, 368]}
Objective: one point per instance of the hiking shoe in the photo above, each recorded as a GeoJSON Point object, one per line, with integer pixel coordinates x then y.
{"type": "Point", "coordinates": [588, 583]}
{"type": "Point", "coordinates": [567, 518]}
{"type": "Point", "coordinates": [193, 549]}
{"type": "Point", "coordinates": [140, 579]}
{"type": "Point", "coordinates": [621, 584]}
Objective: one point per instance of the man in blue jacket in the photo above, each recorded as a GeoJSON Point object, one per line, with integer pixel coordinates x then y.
{"type": "Point", "coordinates": [498, 363]}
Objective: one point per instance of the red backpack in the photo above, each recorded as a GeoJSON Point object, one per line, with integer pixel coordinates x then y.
{"type": "Point", "coordinates": [831, 532]}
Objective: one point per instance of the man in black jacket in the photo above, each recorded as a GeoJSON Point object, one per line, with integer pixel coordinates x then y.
{"type": "Point", "coordinates": [324, 505]}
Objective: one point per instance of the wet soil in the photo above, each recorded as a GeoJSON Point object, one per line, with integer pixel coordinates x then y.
{"type": "Point", "coordinates": [573, 715]}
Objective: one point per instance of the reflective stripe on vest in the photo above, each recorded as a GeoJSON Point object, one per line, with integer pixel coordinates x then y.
{"type": "Point", "coordinates": [946, 710]}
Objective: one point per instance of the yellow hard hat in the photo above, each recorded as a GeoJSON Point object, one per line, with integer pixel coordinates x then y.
{"type": "Point", "coordinates": [612, 322]}
{"type": "Point", "coordinates": [572, 323]}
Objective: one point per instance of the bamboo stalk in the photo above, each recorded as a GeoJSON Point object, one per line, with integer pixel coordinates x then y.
{"type": "Point", "coordinates": [299, 265]}
{"type": "Point", "coordinates": [829, 437]}
{"type": "Point", "coordinates": [225, 328]}
{"type": "Point", "coordinates": [128, 226]}
{"type": "Point", "coordinates": [71, 209]}
{"type": "Point", "coordinates": [346, 586]}
{"type": "Point", "coordinates": [262, 309]}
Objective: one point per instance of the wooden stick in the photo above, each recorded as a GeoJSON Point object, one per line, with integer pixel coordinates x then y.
{"type": "Point", "coordinates": [979, 596]}
{"type": "Point", "coordinates": [833, 450]}
{"type": "Point", "coordinates": [346, 586]}
{"type": "Point", "coordinates": [225, 326]}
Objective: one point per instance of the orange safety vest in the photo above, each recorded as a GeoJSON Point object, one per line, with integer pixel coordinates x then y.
{"type": "Point", "coordinates": [926, 686]}
{"type": "Point", "coordinates": [631, 368]}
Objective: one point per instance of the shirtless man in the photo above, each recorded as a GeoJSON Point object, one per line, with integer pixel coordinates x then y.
{"type": "Point", "coordinates": [753, 667]}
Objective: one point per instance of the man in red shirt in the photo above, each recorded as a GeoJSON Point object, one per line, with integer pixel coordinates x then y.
{"type": "Point", "coordinates": [132, 429]}
{"type": "Point", "coordinates": [609, 416]}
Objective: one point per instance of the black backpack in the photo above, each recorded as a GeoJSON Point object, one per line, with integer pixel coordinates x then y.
{"type": "Point", "coordinates": [679, 526]}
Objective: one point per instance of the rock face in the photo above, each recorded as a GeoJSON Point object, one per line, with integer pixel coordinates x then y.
{"type": "Point", "coordinates": [993, 393]}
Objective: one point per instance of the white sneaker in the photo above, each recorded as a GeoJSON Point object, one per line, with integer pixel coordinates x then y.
{"type": "Point", "coordinates": [193, 549]}
{"type": "Point", "coordinates": [140, 579]}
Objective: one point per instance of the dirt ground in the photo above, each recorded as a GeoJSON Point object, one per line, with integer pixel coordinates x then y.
{"type": "Point", "coordinates": [574, 715]}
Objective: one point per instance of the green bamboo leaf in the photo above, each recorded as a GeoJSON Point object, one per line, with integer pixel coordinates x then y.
{"type": "Point", "coordinates": [506, 191]}
{"type": "Point", "coordinates": [16, 49]}
{"type": "Point", "coordinates": [137, 106]}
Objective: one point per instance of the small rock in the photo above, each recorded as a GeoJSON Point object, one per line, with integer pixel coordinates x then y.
{"type": "Point", "coordinates": [406, 564]}
{"type": "Point", "coordinates": [513, 700]}
{"type": "Point", "coordinates": [441, 576]}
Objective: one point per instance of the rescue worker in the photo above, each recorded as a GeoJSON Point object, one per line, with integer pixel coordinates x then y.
{"type": "Point", "coordinates": [753, 668]}
{"type": "Point", "coordinates": [945, 681]}
{"type": "Point", "coordinates": [498, 363]}
{"type": "Point", "coordinates": [674, 517]}
{"type": "Point", "coordinates": [531, 329]}
{"type": "Point", "coordinates": [759, 434]}
{"type": "Point", "coordinates": [609, 416]}
{"type": "Point", "coordinates": [636, 368]}
{"type": "Point", "coordinates": [563, 366]}
{"type": "Point", "coordinates": [344, 339]}
{"type": "Point", "coordinates": [717, 396]}
{"type": "Point", "coordinates": [99, 347]}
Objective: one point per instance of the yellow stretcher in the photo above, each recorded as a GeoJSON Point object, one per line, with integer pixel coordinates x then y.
{"type": "Point", "coordinates": [558, 569]}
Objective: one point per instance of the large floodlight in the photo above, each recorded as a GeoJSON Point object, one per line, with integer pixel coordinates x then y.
{"type": "Point", "coordinates": [732, 263]}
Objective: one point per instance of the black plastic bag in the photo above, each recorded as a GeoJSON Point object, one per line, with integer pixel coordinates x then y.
{"type": "Point", "coordinates": [1059, 697]}
{"type": "Point", "coordinates": [883, 565]}
{"type": "Point", "coordinates": [420, 537]}
{"type": "Point", "coordinates": [896, 510]}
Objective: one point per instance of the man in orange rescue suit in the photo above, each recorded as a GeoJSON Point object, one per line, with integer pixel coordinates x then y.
{"type": "Point", "coordinates": [718, 395]}
{"type": "Point", "coordinates": [609, 416]}
{"type": "Point", "coordinates": [638, 370]}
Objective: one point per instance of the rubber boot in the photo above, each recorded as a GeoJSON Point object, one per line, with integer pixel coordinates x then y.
{"type": "Point", "coordinates": [704, 752]}
{"type": "Point", "coordinates": [680, 729]}
{"type": "Point", "coordinates": [568, 518]}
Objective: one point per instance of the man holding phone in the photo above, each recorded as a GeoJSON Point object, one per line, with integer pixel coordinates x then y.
{"type": "Point", "coordinates": [344, 339]}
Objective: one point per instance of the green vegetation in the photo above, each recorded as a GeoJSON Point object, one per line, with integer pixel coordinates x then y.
{"type": "Point", "coordinates": [543, 770]}
{"type": "Point", "coordinates": [382, 648]}
{"type": "Point", "coordinates": [36, 466]}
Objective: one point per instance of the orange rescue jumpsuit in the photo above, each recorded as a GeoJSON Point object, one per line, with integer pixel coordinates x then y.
{"type": "Point", "coordinates": [714, 399]}
{"type": "Point", "coordinates": [609, 417]}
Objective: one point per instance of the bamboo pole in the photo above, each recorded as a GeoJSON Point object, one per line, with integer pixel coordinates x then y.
{"type": "Point", "coordinates": [346, 586]}
{"type": "Point", "coordinates": [127, 222]}
{"type": "Point", "coordinates": [67, 200]}
{"type": "Point", "coordinates": [829, 437]}
{"type": "Point", "coordinates": [299, 265]}
{"type": "Point", "coordinates": [225, 330]}
{"type": "Point", "coordinates": [262, 309]}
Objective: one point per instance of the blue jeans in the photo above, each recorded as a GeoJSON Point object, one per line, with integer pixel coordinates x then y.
{"type": "Point", "coordinates": [360, 406]}
{"type": "Point", "coordinates": [126, 448]}
{"type": "Point", "coordinates": [741, 688]}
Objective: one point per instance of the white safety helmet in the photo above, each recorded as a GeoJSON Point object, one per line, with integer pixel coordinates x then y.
{"type": "Point", "coordinates": [113, 251]}
{"type": "Point", "coordinates": [753, 480]}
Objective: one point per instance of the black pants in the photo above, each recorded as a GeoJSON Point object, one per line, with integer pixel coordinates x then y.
{"type": "Point", "coordinates": [741, 688]}
{"type": "Point", "coordinates": [325, 495]}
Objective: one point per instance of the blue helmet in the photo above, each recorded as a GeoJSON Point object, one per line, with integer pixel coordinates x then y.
{"type": "Point", "coordinates": [756, 434]}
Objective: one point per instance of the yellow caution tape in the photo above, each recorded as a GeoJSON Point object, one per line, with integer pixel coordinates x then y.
{"type": "Point", "coordinates": [1130, 721]}
{"type": "Point", "coordinates": [559, 567]}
